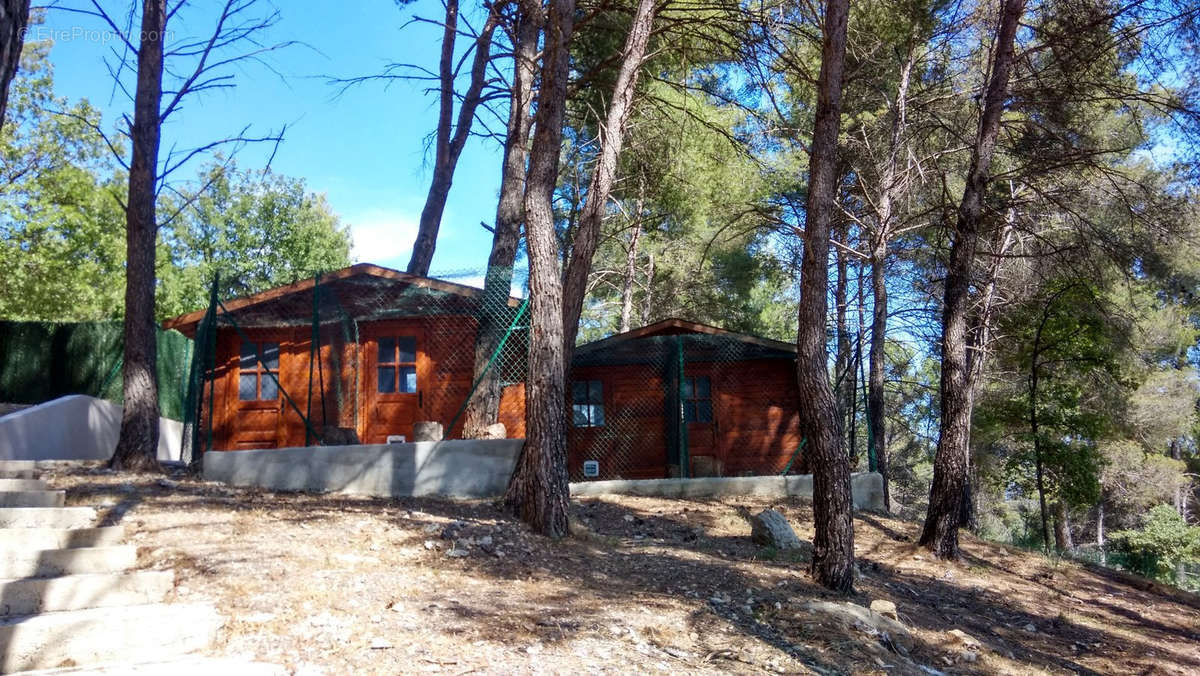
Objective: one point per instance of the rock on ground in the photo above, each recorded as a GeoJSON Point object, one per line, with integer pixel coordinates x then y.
{"type": "Point", "coordinates": [769, 528]}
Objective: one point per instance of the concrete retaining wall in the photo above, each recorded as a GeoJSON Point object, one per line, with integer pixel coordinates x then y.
{"type": "Point", "coordinates": [75, 427]}
{"type": "Point", "coordinates": [866, 488]}
{"type": "Point", "coordinates": [472, 469]}
{"type": "Point", "coordinates": [455, 467]}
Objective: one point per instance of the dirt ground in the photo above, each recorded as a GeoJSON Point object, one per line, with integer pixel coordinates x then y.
{"type": "Point", "coordinates": [337, 585]}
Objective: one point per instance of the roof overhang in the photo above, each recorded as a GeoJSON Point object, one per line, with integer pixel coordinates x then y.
{"type": "Point", "coordinates": [187, 323]}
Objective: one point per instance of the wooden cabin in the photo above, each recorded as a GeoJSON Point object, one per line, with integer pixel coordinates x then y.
{"type": "Point", "coordinates": [364, 349]}
{"type": "Point", "coordinates": [363, 353]}
{"type": "Point", "coordinates": [676, 394]}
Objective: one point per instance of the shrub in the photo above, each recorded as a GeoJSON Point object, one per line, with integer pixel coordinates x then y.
{"type": "Point", "coordinates": [1164, 542]}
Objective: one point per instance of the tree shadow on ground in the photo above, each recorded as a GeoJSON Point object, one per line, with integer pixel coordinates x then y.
{"type": "Point", "coordinates": [684, 554]}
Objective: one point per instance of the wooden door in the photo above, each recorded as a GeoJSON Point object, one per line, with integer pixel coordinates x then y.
{"type": "Point", "coordinates": [699, 417]}
{"type": "Point", "coordinates": [261, 365]}
{"type": "Point", "coordinates": [396, 373]}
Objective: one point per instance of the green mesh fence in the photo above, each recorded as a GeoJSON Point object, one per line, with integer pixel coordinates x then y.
{"type": "Point", "coordinates": [40, 361]}
{"type": "Point", "coordinates": [371, 355]}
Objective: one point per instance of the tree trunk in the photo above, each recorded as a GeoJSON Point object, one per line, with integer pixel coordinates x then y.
{"type": "Point", "coordinates": [631, 260]}
{"type": "Point", "coordinates": [891, 186]}
{"type": "Point", "coordinates": [538, 491]}
{"type": "Point", "coordinates": [1034, 421]}
{"type": "Point", "coordinates": [1180, 497]}
{"type": "Point", "coordinates": [1100, 531]}
{"type": "Point", "coordinates": [448, 144]}
{"type": "Point", "coordinates": [14, 17]}
{"type": "Point", "coordinates": [137, 447]}
{"type": "Point", "coordinates": [612, 133]}
{"type": "Point", "coordinates": [628, 282]}
{"type": "Point", "coordinates": [1062, 528]}
{"type": "Point", "coordinates": [876, 420]}
{"type": "Point", "coordinates": [648, 301]}
{"type": "Point", "coordinates": [952, 461]}
{"type": "Point", "coordinates": [833, 544]}
{"type": "Point", "coordinates": [843, 363]}
{"type": "Point", "coordinates": [484, 407]}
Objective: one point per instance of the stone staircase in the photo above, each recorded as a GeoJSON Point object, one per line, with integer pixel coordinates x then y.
{"type": "Point", "coordinates": [71, 599]}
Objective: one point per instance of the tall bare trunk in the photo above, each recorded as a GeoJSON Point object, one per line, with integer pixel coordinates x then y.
{"type": "Point", "coordinates": [629, 280]}
{"type": "Point", "coordinates": [137, 447]}
{"type": "Point", "coordinates": [856, 369]}
{"type": "Point", "coordinates": [648, 301]}
{"type": "Point", "coordinates": [876, 420]}
{"type": "Point", "coordinates": [891, 187]}
{"type": "Point", "coordinates": [449, 143]}
{"type": "Point", "coordinates": [843, 363]}
{"type": "Point", "coordinates": [14, 17]}
{"type": "Point", "coordinates": [612, 133]}
{"type": "Point", "coordinates": [484, 407]}
{"type": "Point", "coordinates": [538, 490]}
{"type": "Point", "coordinates": [833, 544]}
{"type": "Point", "coordinates": [952, 462]}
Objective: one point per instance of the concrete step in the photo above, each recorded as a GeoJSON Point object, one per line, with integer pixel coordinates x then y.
{"type": "Point", "coordinates": [98, 636]}
{"type": "Point", "coordinates": [47, 517]}
{"type": "Point", "coordinates": [52, 562]}
{"type": "Point", "coordinates": [23, 485]}
{"type": "Point", "coordinates": [33, 498]}
{"type": "Point", "coordinates": [18, 469]}
{"type": "Point", "coordinates": [185, 666]}
{"type": "Point", "coordinates": [78, 592]}
{"type": "Point", "coordinates": [60, 538]}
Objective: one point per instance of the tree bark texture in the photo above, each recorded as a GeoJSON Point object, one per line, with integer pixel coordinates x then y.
{"type": "Point", "coordinates": [876, 419]}
{"type": "Point", "coordinates": [833, 544]}
{"type": "Point", "coordinates": [952, 461]}
{"type": "Point", "coordinates": [538, 491]}
{"type": "Point", "coordinates": [14, 17]}
{"type": "Point", "coordinates": [137, 446]}
{"type": "Point", "coordinates": [1062, 528]}
{"type": "Point", "coordinates": [612, 133]}
{"type": "Point", "coordinates": [484, 407]}
{"type": "Point", "coordinates": [449, 143]}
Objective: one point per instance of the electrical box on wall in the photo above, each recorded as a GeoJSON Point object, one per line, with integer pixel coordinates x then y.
{"type": "Point", "coordinates": [396, 439]}
{"type": "Point", "coordinates": [591, 468]}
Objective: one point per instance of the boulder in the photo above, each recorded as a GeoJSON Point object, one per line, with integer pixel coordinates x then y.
{"type": "Point", "coordinates": [965, 640]}
{"type": "Point", "coordinates": [769, 528]}
{"type": "Point", "coordinates": [427, 430]}
{"type": "Point", "coordinates": [494, 431]}
{"type": "Point", "coordinates": [885, 608]}
{"type": "Point", "coordinates": [891, 632]}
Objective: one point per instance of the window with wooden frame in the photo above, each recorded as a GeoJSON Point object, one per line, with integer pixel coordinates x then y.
{"type": "Point", "coordinates": [587, 403]}
{"type": "Point", "coordinates": [697, 399]}
{"type": "Point", "coordinates": [396, 367]}
{"type": "Point", "coordinates": [258, 371]}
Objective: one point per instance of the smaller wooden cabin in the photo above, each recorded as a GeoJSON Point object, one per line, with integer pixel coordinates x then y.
{"type": "Point", "coordinates": [650, 402]}
{"type": "Point", "coordinates": [365, 348]}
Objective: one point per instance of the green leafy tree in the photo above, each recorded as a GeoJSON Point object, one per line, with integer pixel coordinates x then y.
{"type": "Point", "coordinates": [255, 229]}
{"type": "Point", "coordinates": [61, 228]}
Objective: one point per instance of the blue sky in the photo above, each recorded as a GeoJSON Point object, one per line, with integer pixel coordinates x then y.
{"type": "Point", "coordinates": [364, 149]}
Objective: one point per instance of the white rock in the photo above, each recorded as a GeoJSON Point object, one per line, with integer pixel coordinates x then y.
{"type": "Point", "coordinates": [885, 608]}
